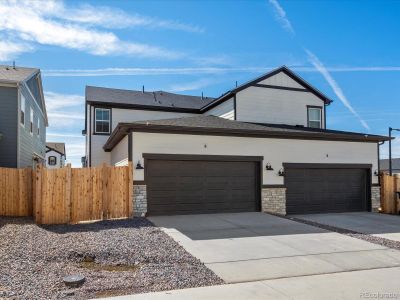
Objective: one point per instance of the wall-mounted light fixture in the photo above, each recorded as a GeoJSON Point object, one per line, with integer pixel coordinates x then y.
{"type": "Point", "coordinates": [268, 167]}
{"type": "Point", "coordinates": [376, 173]}
{"type": "Point", "coordinates": [281, 172]}
{"type": "Point", "coordinates": [139, 166]}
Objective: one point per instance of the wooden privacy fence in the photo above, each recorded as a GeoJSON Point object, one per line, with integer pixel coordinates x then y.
{"type": "Point", "coordinates": [69, 195]}
{"type": "Point", "coordinates": [390, 186]}
{"type": "Point", "coordinates": [15, 192]}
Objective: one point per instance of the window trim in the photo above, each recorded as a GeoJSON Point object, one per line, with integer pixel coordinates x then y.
{"type": "Point", "coordinates": [320, 116]}
{"type": "Point", "coordinates": [55, 160]}
{"type": "Point", "coordinates": [31, 121]}
{"type": "Point", "coordinates": [22, 110]}
{"type": "Point", "coordinates": [38, 127]}
{"type": "Point", "coordinates": [94, 120]}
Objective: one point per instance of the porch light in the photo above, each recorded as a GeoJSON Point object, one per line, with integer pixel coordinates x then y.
{"type": "Point", "coordinates": [139, 166]}
{"type": "Point", "coordinates": [281, 172]}
{"type": "Point", "coordinates": [268, 167]}
{"type": "Point", "coordinates": [376, 173]}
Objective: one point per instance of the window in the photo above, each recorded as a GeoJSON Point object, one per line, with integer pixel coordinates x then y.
{"type": "Point", "coordinates": [31, 123]}
{"type": "Point", "coordinates": [102, 120]}
{"type": "Point", "coordinates": [314, 117]}
{"type": "Point", "coordinates": [22, 116]}
{"type": "Point", "coordinates": [52, 160]}
{"type": "Point", "coordinates": [38, 127]}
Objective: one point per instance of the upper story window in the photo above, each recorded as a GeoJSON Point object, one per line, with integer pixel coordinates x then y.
{"type": "Point", "coordinates": [31, 122]}
{"type": "Point", "coordinates": [52, 160]}
{"type": "Point", "coordinates": [314, 117]}
{"type": "Point", "coordinates": [102, 120]}
{"type": "Point", "coordinates": [22, 115]}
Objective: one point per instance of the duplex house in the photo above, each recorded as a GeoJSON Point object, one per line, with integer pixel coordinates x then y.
{"type": "Point", "coordinates": [262, 146]}
{"type": "Point", "coordinates": [55, 155]}
{"type": "Point", "coordinates": [23, 118]}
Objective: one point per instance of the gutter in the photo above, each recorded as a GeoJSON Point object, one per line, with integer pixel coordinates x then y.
{"type": "Point", "coordinates": [123, 129]}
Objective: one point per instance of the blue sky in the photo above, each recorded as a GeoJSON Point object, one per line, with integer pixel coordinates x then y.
{"type": "Point", "coordinates": [347, 49]}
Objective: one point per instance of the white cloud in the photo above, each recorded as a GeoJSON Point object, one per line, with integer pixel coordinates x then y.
{"type": "Point", "coordinates": [281, 16]}
{"type": "Point", "coordinates": [56, 101]}
{"type": "Point", "coordinates": [63, 135]}
{"type": "Point", "coordinates": [9, 49]}
{"type": "Point", "coordinates": [51, 23]}
{"type": "Point", "coordinates": [108, 17]}
{"type": "Point", "coordinates": [190, 86]}
{"type": "Point", "coordinates": [334, 85]}
{"type": "Point", "coordinates": [199, 70]}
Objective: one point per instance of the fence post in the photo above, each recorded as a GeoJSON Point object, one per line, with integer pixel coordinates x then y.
{"type": "Point", "coordinates": [68, 194]}
{"type": "Point", "coordinates": [38, 196]}
{"type": "Point", "coordinates": [130, 189]}
{"type": "Point", "coordinates": [105, 196]}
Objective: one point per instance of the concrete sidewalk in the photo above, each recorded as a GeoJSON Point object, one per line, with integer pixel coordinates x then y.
{"type": "Point", "coordinates": [368, 284]}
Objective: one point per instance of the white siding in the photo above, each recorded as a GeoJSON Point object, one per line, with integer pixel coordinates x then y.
{"type": "Point", "coordinates": [60, 160]}
{"type": "Point", "coordinates": [281, 79]}
{"type": "Point", "coordinates": [266, 105]}
{"type": "Point", "coordinates": [98, 154]}
{"type": "Point", "coordinates": [122, 115]}
{"type": "Point", "coordinates": [224, 110]}
{"type": "Point", "coordinates": [119, 155]}
{"type": "Point", "coordinates": [132, 115]}
{"type": "Point", "coordinates": [274, 151]}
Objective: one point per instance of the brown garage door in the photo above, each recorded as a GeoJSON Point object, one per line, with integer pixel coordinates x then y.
{"type": "Point", "coordinates": [201, 186]}
{"type": "Point", "coordinates": [323, 189]}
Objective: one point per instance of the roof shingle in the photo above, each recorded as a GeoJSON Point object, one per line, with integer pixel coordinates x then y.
{"type": "Point", "coordinates": [9, 74]}
{"type": "Point", "coordinates": [158, 99]}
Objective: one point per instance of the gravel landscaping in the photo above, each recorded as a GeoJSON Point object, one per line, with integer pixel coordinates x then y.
{"type": "Point", "coordinates": [116, 257]}
{"type": "Point", "coordinates": [362, 236]}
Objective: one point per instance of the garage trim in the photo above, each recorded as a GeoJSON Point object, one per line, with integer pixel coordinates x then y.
{"type": "Point", "coordinates": [201, 157]}
{"type": "Point", "coordinates": [324, 166]}
{"type": "Point", "coordinates": [367, 167]}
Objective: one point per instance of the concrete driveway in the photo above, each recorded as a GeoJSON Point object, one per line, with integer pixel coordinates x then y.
{"type": "Point", "coordinates": [246, 247]}
{"type": "Point", "coordinates": [381, 225]}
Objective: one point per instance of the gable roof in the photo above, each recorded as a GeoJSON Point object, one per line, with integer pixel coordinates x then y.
{"type": "Point", "coordinates": [9, 74]}
{"type": "Point", "coordinates": [138, 99]}
{"type": "Point", "coordinates": [384, 164]}
{"type": "Point", "coordinates": [211, 125]}
{"type": "Point", "coordinates": [58, 147]}
{"type": "Point", "coordinates": [283, 69]}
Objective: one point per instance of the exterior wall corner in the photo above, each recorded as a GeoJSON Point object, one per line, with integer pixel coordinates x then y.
{"type": "Point", "coordinates": [139, 200]}
{"type": "Point", "coordinates": [273, 200]}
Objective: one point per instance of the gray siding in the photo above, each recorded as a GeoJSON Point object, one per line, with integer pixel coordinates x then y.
{"type": "Point", "coordinates": [8, 126]}
{"type": "Point", "coordinates": [31, 143]}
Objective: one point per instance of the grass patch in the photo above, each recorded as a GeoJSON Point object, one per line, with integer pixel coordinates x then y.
{"type": "Point", "coordinates": [91, 265]}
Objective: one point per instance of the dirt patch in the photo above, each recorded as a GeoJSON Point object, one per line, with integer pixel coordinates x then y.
{"type": "Point", "coordinates": [91, 265]}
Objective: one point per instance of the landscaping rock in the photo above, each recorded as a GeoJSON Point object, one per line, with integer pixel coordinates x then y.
{"type": "Point", "coordinates": [74, 280]}
{"type": "Point", "coordinates": [35, 259]}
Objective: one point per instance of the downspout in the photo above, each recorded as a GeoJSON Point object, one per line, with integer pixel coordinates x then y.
{"type": "Point", "coordinates": [379, 159]}
{"type": "Point", "coordinates": [18, 122]}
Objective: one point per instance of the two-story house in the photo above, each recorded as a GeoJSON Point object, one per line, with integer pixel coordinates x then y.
{"type": "Point", "coordinates": [23, 118]}
{"type": "Point", "coordinates": [262, 146]}
{"type": "Point", "coordinates": [55, 155]}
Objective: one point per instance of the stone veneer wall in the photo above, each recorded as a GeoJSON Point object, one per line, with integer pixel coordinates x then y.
{"type": "Point", "coordinates": [273, 200]}
{"type": "Point", "coordinates": [139, 200]}
{"type": "Point", "coordinates": [375, 198]}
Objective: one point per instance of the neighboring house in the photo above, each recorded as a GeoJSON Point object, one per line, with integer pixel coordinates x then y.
{"type": "Point", "coordinates": [55, 155]}
{"type": "Point", "coordinates": [23, 118]}
{"type": "Point", "coordinates": [261, 146]}
{"type": "Point", "coordinates": [384, 165]}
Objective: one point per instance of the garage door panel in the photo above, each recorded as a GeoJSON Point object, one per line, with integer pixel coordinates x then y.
{"type": "Point", "coordinates": [192, 187]}
{"type": "Point", "coordinates": [319, 190]}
